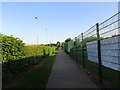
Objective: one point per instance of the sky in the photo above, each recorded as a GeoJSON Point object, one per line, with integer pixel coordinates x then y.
{"type": "Point", "coordinates": [61, 19]}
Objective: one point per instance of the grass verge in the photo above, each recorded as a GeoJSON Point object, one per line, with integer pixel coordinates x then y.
{"type": "Point", "coordinates": [38, 77]}
{"type": "Point", "coordinates": [110, 76]}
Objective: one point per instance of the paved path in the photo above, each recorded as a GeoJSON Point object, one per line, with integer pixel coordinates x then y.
{"type": "Point", "coordinates": [66, 74]}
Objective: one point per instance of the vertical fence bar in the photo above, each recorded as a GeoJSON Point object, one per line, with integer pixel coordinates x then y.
{"type": "Point", "coordinates": [76, 49]}
{"type": "Point", "coordinates": [83, 62]}
{"type": "Point", "coordinates": [118, 41]}
{"type": "Point", "coordinates": [99, 53]}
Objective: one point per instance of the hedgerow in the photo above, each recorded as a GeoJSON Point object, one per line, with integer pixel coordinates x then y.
{"type": "Point", "coordinates": [17, 56]}
{"type": "Point", "coordinates": [12, 48]}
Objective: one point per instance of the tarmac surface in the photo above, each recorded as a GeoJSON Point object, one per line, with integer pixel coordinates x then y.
{"type": "Point", "coordinates": [66, 74]}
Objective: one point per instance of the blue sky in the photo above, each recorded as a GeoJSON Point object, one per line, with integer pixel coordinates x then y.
{"type": "Point", "coordinates": [62, 19]}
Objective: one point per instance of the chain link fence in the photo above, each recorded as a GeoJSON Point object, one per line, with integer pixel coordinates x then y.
{"type": "Point", "coordinates": [98, 50]}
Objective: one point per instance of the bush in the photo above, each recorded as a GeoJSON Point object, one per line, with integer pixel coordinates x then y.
{"type": "Point", "coordinates": [16, 56]}
{"type": "Point", "coordinates": [12, 49]}
{"type": "Point", "coordinates": [34, 50]}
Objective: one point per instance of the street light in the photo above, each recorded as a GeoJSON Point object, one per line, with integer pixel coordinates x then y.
{"type": "Point", "coordinates": [46, 35]}
{"type": "Point", "coordinates": [36, 17]}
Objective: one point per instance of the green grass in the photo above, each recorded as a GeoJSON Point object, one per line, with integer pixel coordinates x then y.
{"type": "Point", "coordinates": [92, 67]}
{"type": "Point", "coordinates": [38, 77]}
{"type": "Point", "coordinates": [109, 75]}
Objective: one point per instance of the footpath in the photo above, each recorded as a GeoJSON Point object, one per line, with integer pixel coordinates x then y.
{"type": "Point", "coordinates": [66, 74]}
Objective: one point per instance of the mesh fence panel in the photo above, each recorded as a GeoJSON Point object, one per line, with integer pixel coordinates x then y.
{"type": "Point", "coordinates": [100, 43]}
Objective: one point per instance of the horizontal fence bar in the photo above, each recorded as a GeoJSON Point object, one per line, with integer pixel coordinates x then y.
{"type": "Point", "coordinates": [108, 31]}
{"type": "Point", "coordinates": [109, 18]}
{"type": "Point", "coordinates": [96, 44]}
{"type": "Point", "coordinates": [109, 24]}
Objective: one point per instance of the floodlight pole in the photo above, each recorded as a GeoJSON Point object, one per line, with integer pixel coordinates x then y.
{"type": "Point", "coordinates": [46, 35]}
{"type": "Point", "coordinates": [37, 32]}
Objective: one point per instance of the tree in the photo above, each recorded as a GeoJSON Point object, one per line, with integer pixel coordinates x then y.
{"type": "Point", "coordinates": [90, 39]}
{"type": "Point", "coordinates": [68, 39]}
{"type": "Point", "coordinates": [58, 44]}
{"type": "Point", "coordinates": [62, 44]}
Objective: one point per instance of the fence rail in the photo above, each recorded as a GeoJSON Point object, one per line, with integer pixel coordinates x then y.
{"type": "Point", "coordinates": [98, 49]}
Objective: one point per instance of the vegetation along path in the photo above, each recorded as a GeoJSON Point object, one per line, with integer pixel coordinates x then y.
{"type": "Point", "coordinates": [66, 74]}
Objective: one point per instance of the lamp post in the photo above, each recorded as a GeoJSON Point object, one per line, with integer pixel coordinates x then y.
{"type": "Point", "coordinates": [36, 17]}
{"type": "Point", "coordinates": [46, 35]}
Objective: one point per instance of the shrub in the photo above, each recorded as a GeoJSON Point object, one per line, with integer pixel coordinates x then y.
{"type": "Point", "coordinates": [12, 48]}
{"type": "Point", "coordinates": [16, 56]}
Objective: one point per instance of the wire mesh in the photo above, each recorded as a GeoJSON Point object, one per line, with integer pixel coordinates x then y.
{"type": "Point", "coordinates": [90, 32]}
{"type": "Point", "coordinates": [84, 49]}
{"type": "Point", "coordinates": [109, 27]}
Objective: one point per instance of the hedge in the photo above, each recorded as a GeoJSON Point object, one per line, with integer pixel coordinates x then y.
{"type": "Point", "coordinates": [16, 56]}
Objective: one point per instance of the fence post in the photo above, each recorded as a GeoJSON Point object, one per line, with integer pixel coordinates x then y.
{"type": "Point", "coordinates": [83, 52]}
{"type": "Point", "coordinates": [119, 40]}
{"type": "Point", "coordinates": [99, 53]}
{"type": "Point", "coordinates": [76, 49]}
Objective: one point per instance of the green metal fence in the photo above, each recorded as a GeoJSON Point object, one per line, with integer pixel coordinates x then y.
{"type": "Point", "coordinates": [80, 50]}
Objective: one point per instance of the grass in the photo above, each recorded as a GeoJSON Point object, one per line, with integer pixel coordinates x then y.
{"type": "Point", "coordinates": [109, 75]}
{"type": "Point", "coordinates": [92, 67]}
{"type": "Point", "coordinates": [38, 77]}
